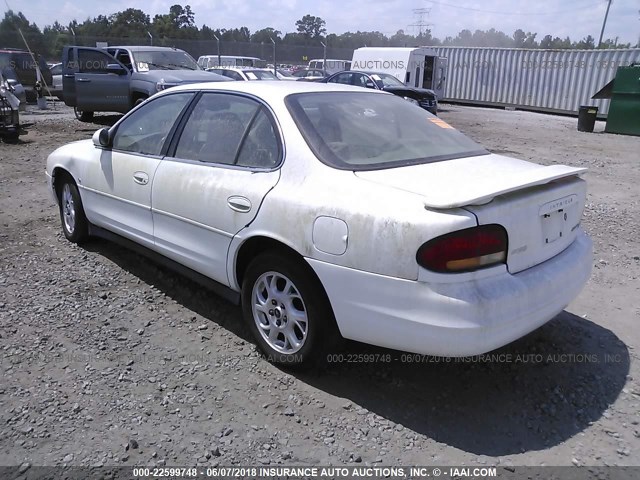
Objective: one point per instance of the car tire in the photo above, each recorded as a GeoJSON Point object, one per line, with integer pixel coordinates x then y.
{"type": "Point", "coordinates": [287, 311]}
{"type": "Point", "coordinates": [138, 101]}
{"type": "Point", "coordinates": [82, 115]}
{"type": "Point", "coordinates": [12, 137]}
{"type": "Point", "coordinates": [75, 225]}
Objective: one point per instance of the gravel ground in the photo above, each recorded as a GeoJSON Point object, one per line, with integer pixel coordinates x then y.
{"type": "Point", "coordinates": [108, 359]}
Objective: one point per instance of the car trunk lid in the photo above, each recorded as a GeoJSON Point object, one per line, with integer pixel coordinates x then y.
{"type": "Point", "coordinates": [539, 206]}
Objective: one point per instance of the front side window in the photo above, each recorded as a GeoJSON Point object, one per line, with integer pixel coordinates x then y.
{"type": "Point", "coordinates": [94, 61]}
{"type": "Point", "coordinates": [386, 80]}
{"type": "Point", "coordinates": [343, 78]}
{"type": "Point", "coordinates": [368, 131]}
{"type": "Point", "coordinates": [146, 129]}
{"type": "Point", "coordinates": [230, 130]}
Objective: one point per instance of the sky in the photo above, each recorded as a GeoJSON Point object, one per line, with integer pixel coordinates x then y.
{"type": "Point", "coordinates": [574, 18]}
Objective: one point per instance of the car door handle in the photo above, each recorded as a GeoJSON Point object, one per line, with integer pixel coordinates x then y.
{"type": "Point", "coordinates": [83, 80]}
{"type": "Point", "coordinates": [141, 178]}
{"type": "Point", "coordinates": [239, 204]}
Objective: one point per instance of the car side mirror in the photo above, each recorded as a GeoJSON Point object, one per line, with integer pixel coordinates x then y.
{"type": "Point", "coordinates": [116, 68]}
{"type": "Point", "coordinates": [102, 138]}
{"type": "Point", "coordinates": [370, 84]}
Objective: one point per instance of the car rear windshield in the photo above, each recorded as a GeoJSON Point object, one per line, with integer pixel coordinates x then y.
{"type": "Point", "coordinates": [371, 131]}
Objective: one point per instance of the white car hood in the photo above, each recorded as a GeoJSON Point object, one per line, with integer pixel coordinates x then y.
{"type": "Point", "coordinates": [468, 181]}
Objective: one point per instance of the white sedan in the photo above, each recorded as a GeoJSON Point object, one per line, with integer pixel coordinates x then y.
{"type": "Point", "coordinates": [332, 212]}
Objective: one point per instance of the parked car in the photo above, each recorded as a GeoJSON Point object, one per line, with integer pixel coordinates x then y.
{"type": "Point", "coordinates": [244, 74]}
{"type": "Point", "coordinates": [119, 78]}
{"type": "Point", "coordinates": [56, 80]}
{"type": "Point", "coordinates": [22, 63]}
{"type": "Point", "coordinates": [309, 74]}
{"type": "Point", "coordinates": [331, 210]}
{"type": "Point", "coordinates": [383, 81]}
{"type": "Point", "coordinates": [285, 74]}
{"type": "Point", "coordinates": [210, 61]}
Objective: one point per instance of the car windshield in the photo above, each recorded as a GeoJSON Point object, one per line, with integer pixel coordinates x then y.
{"type": "Point", "coordinates": [370, 131]}
{"type": "Point", "coordinates": [164, 60]}
{"type": "Point", "coordinates": [386, 80]}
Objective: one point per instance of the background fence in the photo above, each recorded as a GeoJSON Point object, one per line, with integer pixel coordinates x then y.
{"type": "Point", "coordinates": [541, 80]}
{"type": "Point", "coordinates": [285, 53]}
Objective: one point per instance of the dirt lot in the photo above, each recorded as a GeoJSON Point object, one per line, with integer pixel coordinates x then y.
{"type": "Point", "coordinates": [108, 359]}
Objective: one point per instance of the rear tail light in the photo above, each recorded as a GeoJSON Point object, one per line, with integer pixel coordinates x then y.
{"type": "Point", "coordinates": [465, 250]}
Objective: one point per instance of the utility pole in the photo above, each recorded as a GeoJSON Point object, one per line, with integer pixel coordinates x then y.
{"type": "Point", "coordinates": [219, 58]}
{"type": "Point", "coordinates": [275, 65]}
{"type": "Point", "coordinates": [324, 57]}
{"type": "Point", "coordinates": [604, 23]}
{"type": "Point", "coordinates": [151, 37]}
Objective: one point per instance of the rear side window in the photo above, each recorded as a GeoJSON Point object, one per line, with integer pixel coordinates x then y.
{"type": "Point", "coordinates": [230, 130]}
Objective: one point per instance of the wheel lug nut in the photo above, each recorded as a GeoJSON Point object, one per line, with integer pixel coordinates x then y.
{"type": "Point", "coordinates": [273, 302]}
{"type": "Point", "coordinates": [284, 318]}
{"type": "Point", "coordinates": [270, 312]}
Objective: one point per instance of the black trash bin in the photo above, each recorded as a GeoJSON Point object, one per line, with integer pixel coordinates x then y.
{"type": "Point", "coordinates": [587, 118]}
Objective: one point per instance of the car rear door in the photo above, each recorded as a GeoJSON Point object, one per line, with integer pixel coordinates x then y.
{"type": "Point", "coordinates": [213, 180]}
{"type": "Point", "coordinates": [95, 81]}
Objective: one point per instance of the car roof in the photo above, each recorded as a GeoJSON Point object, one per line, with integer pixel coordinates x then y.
{"type": "Point", "coordinates": [241, 68]}
{"type": "Point", "coordinates": [273, 90]}
{"type": "Point", "coordinates": [365, 72]}
{"type": "Point", "coordinates": [145, 48]}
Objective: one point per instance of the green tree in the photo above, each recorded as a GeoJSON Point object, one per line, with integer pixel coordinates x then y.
{"type": "Point", "coordinates": [11, 26]}
{"type": "Point", "coordinates": [311, 27]}
{"type": "Point", "coordinates": [129, 23]}
{"type": "Point", "coordinates": [56, 36]}
{"type": "Point", "coordinates": [265, 35]}
{"type": "Point", "coordinates": [178, 23]}
{"type": "Point", "coordinates": [401, 39]}
{"type": "Point", "coordinates": [586, 43]}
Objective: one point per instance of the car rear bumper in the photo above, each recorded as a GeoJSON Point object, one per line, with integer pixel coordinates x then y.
{"type": "Point", "coordinates": [454, 319]}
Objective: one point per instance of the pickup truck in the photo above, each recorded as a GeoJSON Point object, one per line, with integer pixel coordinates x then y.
{"type": "Point", "coordinates": [116, 79]}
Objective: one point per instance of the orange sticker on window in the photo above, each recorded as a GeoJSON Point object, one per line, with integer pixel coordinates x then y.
{"type": "Point", "coordinates": [440, 123]}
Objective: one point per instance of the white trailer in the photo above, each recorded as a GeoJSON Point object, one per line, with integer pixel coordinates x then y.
{"type": "Point", "coordinates": [418, 67]}
{"type": "Point", "coordinates": [332, 66]}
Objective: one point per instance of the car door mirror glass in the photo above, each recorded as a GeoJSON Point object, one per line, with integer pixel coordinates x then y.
{"type": "Point", "coordinates": [102, 138]}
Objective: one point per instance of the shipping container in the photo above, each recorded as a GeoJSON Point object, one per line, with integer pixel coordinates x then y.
{"type": "Point", "coordinates": [541, 80]}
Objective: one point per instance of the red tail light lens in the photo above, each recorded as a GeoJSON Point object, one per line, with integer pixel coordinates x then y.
{"type": "Point", "coordinates": [465, 250]}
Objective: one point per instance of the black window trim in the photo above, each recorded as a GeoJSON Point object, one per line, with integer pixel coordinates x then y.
{"type": "Point", "coordinates": [177, 133]}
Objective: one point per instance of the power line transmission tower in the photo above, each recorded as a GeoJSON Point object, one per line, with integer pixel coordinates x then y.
{"type": "Point", "coordinates": [420, 13]}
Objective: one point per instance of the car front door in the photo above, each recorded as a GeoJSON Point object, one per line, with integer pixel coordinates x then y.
{"type": "Point", "coordinates": [213, 180]}
{"type": "Point", "coordinates": [117, 185]}
{"type": "Point", "coordinates": [94, 81]}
